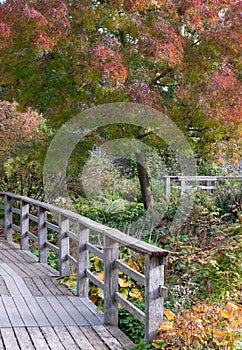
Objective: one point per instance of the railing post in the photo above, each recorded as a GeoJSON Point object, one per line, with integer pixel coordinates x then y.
{"type": "Point", "coordinates": [167, 188]}
{"type": "Point", "coordinates": [64, 266]}
{"type": "Point", "coordinates": [82, 260]}
{"type": "Point", "coordinates": [8, 219]}
{"type": "Point", "coordinates": [24, 224]}
{"type": "Point", "coordinates": [110, 282]}
{"type": "Point", "coordinates": [183, 184]}
{"type": "Point", "coordinates": [42, 235]}
{"type": "Point", "coordinates": [154, 295]}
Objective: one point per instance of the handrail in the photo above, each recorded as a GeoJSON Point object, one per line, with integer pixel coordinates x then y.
{"type": "Point", "coordinates": [182, 183]}
{"type": "Point", "coordinates": [155, 257]}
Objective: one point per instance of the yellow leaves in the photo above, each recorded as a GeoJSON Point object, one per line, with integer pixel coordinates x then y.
{"type": "Point", "coordinates": [136, 294]}
{"type": "Point", "coordinates": [124, 283]}
{"type": "Point", "coordinates": [169, 314]}
{"type": "Point", "coordinates": [166, 326]}
{"type": "Point", "coordinates": [203, 324]}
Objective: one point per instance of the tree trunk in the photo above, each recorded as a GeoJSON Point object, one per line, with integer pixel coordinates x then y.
{"type": "Point", "coordinates": [147, 195]}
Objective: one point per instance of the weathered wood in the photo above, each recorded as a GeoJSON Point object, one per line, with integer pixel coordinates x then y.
{"type": "Point", "coordinates": [130, 307]}
{"type": "Point", "coordinates": [4, 320]}
{"type": "Point", "coordinates": [108, 339]}
{"type": "Point", "coordinates": [52, 339]}
{"type": "Point", "coordinates": [8, 218]}
{"type": "Point", "coordinates": [94, 279]}
{"type": "Point", "coordinates": [167, 188]}
{"type": "Point", "coordinates": [80, 338]}
{"type": "Point", "coordinates": [82, 261]}
{"type": "Point", "coordinates": [42, 235]}
{"type": "Point", "coordinates": [66, 338]}
{"type": "Point", "coordinates": [37, 338]}
{"type": "Point", "coordinates": [154, 304]}
{"type": "Point", "coordinates": [23, 338]}
{"type": "Point", "coordinates": [97, 252]}
{"type": "Point", "coordinates": [137, 276]}
{"type": "Point", "coordinates": [24, 220]}
{"type": "Point", "coordinates": [118, 236]}
{"type": "Point", "coordinates": [110, 282]}
{"type": "Point", "coordinates": [80, 305]}
{"type": "Point", "coordinates": [123, 339]}
{"type": "Point", "coordinates": [64, 246]}
{"type": "Point", "coordinates": [12, 312]}
{"type": "Point", "coordinates": [9, 339]}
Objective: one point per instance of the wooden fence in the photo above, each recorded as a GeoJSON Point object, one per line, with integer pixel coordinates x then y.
{"type": "Point", "coordinates": [184, 183]}
{"type": "Point", "coordinates": [20, 213]}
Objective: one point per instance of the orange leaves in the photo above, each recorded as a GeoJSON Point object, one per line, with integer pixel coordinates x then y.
{"type": "Point", "coordinates": [204, 324]}
{"type": "Point", "coordinates": [109, 62]}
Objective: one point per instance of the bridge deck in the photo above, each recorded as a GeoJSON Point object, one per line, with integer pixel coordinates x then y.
{"type": "Point", "coordinates": [36, 312]}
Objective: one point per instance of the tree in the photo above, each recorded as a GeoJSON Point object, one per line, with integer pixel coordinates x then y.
{"type": "Point", "coordinates": [17, 130]}
{"type": "Point", "coordinates": [180, 57]}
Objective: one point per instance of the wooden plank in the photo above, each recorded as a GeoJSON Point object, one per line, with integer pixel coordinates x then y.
{"type": "Point", "coordinates": [82, 260]}
{"type": "Point", "coordinates": [52, 339]}
{"type": "Point", "coordinates": [42, 287]}
{"type": "Point", "coordinates": [37, 338]}
{"type": "Point", "coordinates": [23, 289]}
{"type": "Point", "coordinates": [9, 340]}
{"type": "Point", "coordinates": [80, 338]}
{"type": "Point", "coordinates": [1, 342]}
{"type": "Point", "coordinates": [50, 314]}
{"type": "Point", "coordinates": [32, 286]}
{"type": "Point", "coordinates": [79, 304]}
{"type": "Point", "coordinates": [23, 338]}
{"type": "Point", "coordinates": [107, 338]}
{"type": "Point", "coordinates": [36, 311]}
{"type": "Point", "coordinates": [93, 309]}
{"type": "Point", "coordinates": [24, 311]}
{"type": "Point", "coordinates": [3, 288]}
{"type": "Point", "coordinates": [70, 308]}
{"type": "Point", "coordinates": [122, 338]}
{"type": "Point", "coordinates": [94, 338]}
{"type": "Point", "coordinates": [61, 311]}
{"type": "Point", "coordinates": [12, 312]}
{"type": "Point", "coordinates": [4, 320]}
{"type": "Point", "coordinates": [10, 283]}
{"type": "Point", "coordinates": [66, 338]}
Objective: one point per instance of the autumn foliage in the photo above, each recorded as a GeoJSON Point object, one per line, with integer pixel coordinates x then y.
{"type": "Point", "coordinates": [181, 57]}
{"type": "Point", "coordinates": [17, 128]}
{"type": "Point", "coordinates": [206, 325]}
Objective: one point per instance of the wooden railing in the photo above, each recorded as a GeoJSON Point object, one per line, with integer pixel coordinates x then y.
{"type": "Point", "coordinates": [184, 183]}
{"type": "Point", "coordinates": [20, 213]}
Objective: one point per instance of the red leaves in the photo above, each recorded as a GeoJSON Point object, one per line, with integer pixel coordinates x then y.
{"type": "Point", "coordinates": [110, 64]}
{"type": "Point", "coordinates": [32, 14]}
{"type": "Point", "coordinates": [42, 41]}
{"type": "Point", "coordinates": [223, 96]}
{"type": "Point", "coordinates": [16, 127]}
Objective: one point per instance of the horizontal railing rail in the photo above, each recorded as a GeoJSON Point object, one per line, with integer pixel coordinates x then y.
{"type": "Point", "coordinates": [69, 227]}
{"type": "Point", "coordinates": [207, 183]}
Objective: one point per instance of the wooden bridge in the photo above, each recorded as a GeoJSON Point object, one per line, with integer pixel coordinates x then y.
{"type": "Point", "coordinates": [36, 312]}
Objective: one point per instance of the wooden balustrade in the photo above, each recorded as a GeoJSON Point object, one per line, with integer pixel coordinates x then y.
{"type": "Point", "coordinates": [184, 183]}
{"type": "Point", "coordinates": [74, 227]}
